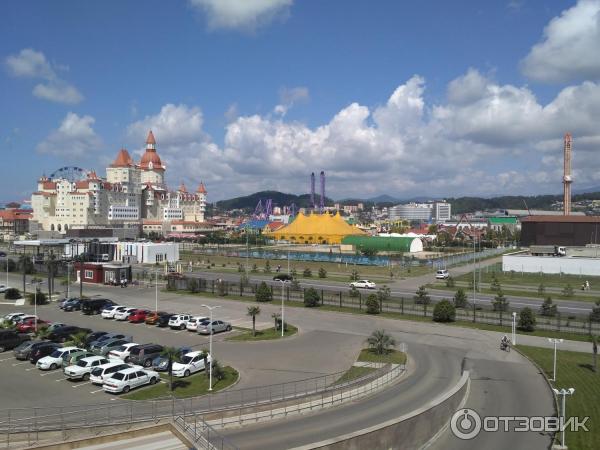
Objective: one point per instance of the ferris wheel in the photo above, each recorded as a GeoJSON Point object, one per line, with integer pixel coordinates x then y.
{"type": "Point", "coordinates": [70, 173]}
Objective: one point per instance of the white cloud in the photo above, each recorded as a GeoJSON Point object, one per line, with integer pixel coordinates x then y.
{"type": "Point", "coordinates": [242, 14]}
{"type": "Point", "coordinates": [74, 138]}
{"type": "Point", "coordinates": [29, 63]}
{"type": "Point", "coordinates": [290, 96]}
{"type": "Point", "coordinates": [486, 139]}
{"type": "Point", "coordinates": [232, 112]}
{"type": "Point", "coordinates": [569, 49]}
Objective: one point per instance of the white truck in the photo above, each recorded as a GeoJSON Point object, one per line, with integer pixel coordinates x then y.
{"type": "Point", "coordinates": [547, 250]}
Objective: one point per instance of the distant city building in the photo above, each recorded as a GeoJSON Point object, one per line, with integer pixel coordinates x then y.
{"type": "Point", "coordinates": [411, 211]}
{"type": "Point", "coordinates": [131, 196]}
{"type": "Point", "coordinates": [442, 211]}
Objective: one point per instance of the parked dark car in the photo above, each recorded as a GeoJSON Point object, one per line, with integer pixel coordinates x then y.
{"type": "Point", "coordinates": [161, 363]}
{"type": "Point", "coordinates": [62, 334]}
{"type": "Point", "coordinates": [62, 302]}
{"type": "Point", "coordinates": [93, 337]}
{"type": "Point", "coordinates": [10, 339]}
{"type": "Point", "coordinates": [23, 350]}
{"type": "Point", "coordinates": [95, 305]}
{"type": "Point", "coordinates": [2, 254]}
{"type": "Point", "coordinates": [42, 350]}
{"type": "Point", "coordinates": [283, 277]}
{"type": "Point", "coordinates": [144, 354]}
{"type": "Point", "coordinates": [73, 304]}
{"type": "Point", "coordinates": [163, 321]}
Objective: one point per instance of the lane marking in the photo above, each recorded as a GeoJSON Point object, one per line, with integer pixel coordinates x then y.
{"type": "Point", "coordinates": [81, 384]}
{"type": "Point", "coordinates": [31, 368]}
{"type": "Point", "coordinates": [7, 359]}
{"type": "Point", "coordinates": [95, 392]}
{"type": "Point", "coordinates": [19, 363]}
{"type": "Point", "coordinates": [50, 372]}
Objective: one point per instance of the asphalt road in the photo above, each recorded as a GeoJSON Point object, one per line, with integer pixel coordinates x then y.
{"type": "Point", "coordinates": [327, 342]}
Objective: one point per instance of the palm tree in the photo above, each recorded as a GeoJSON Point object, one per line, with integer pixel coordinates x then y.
{"type": "Point", "coordinates": [79, 339]}
{"type": "Point", "coordinates": [253, 311]}
{"type": "Point", "coordinates": [173, 354]}
{"type": "Point", "coordinates": [380, 341]}
{"type": "Point", "coordinates": [42, 333]}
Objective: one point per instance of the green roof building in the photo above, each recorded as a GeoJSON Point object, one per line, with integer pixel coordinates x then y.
{"type": "Point", "coordinates": [385, 244]}
{"type": "Point", "coordinates": [496, 223]}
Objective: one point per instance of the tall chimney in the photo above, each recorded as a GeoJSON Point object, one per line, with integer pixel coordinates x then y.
{"type": "Point", "coordinates": [567, 179]}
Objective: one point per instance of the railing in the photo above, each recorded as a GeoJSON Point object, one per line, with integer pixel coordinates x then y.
{"type": "Point", "coordinates": [221, 407]}
{"type": "Point", "coordinates": [202, 434]}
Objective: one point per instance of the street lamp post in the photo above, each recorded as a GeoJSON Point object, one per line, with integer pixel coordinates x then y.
{"type": "Point", "coordinates": [210, 308]}
{"type": "Point", "coordinates": [514, 328]}
{"type": "Point", "coordinates": [474, 282]}
{"type": "Point", "coordinates": [156, 290]}
{"type": "Point", "coordinates": [283, 282]}
{"type": "Point", "coordinates": [37, 288]}
{"type": "Point", "coordinates": [68, 279]}
{"type": "Point", "coordinates": [555, 342]}
{"type": "Point", "coordinates": [563, 392]}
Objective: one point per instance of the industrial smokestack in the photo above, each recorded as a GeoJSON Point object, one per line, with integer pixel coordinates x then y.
{"type": "Point", "coordinates": [312, 190]}
{"type": "Point", "coordinates": [322, 200]}
{"type": "Point", "coordinates": [567, 179]}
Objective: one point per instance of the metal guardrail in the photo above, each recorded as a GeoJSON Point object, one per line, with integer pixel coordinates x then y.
{"type": "Point", "coordinates": [222, 405]}
{"type": "Point", "coordinates": [202, 434]}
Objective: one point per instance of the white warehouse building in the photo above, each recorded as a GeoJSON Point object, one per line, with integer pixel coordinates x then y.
{"type": "Point", "coordinates": [146, 252]}
{"type": "Point", "coordinates": [523, 262]}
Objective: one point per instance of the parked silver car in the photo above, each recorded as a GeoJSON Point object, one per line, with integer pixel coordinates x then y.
{"type": "Point", "coordinates": [216, 326]}
{"type": "Point", "coordinates": [102, 348]}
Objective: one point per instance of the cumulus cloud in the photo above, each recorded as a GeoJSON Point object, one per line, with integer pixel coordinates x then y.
{"type": "Point", "coordinates": [569, 47]}
{"type": "Point", "coordinates": [74, 138]}
{"type": "Point", "coordinates": [290, 96]}
{"type": "Point", "coordinates": [485, 139]}
{"type": "Point", "coordinates": [242, 14]}
{"type": "Point", "coordinates": [29, 63]}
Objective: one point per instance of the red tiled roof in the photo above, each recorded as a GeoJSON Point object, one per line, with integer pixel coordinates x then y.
{"type": "Point", "coordinates": [182, 187]}
{"type": "Point", "coordinates": [123, 159]}
{"type": "Point", "coordinates": [48, 185]}
{"type": "Point", "coordinates": [201, 189]}
{"type": "Point", "coordinates": [150, 139]}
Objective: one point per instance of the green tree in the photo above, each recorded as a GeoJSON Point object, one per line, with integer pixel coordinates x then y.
{"type": "Point", "coordinates": [495, 286]}
{"type": "Point", "coordinates": [594, 340]}
{"type": "Point", "coordinates": [294, 273]}
{"type": "Point", "coordinates": [541, 289]}
{"type": "Point", "coordinates": [372, 304]}
{"type": "Point", "coordinates": [40, 298]}
{"type": "Point", "coordinates": [253, 311]}
{"type": "Point", "coordinates": [422, 298]}
{"type": "Point", "coordinates": [12, 294]}
{"type": "Point", "coordinates": [353, 292]}
{"type": "Point", "coordinates": [311, 298]}
{"type": "Point", "coordinates": [322, 273]}
{"type": "Point", "coordinates": [568, 291]}
{"type": "Point", "coordinates": [263, 293]}
{"type": "Point", "coordinates": [381, 342]}
{"type": "Point", "coordinates": [384, 294]}
{"type": "Point", "coordinates": [42, 333]}
{"type": "Point", "coordinates": [548, 308]}
{"type": "Point", "coordinates": [218, 373]}
{"type": "Point", "coordinates": [444, 311]}
{"type": "Point", "coordinates": [79, 339]}
{"type": "Point", "coordinates": [254, 268]}
{"type": "Point", "coordinates": [173, 355]}
{"type": "Point", "coordinates": [268, 267]}
{"type": "Point", "coordinates": [354, 275]}
{"type": "Point", "coordinates": [500, 303]}
{"type": "Point", "coordinates": [526, 319]}
{"type": "Point", "coordinates": [460, 299]}
{"type": "Point", "coordinates": [595, 314]}
{"type": "Point", "coordinates": [192, 285]}
{"type": "Point", "coordinates": [221, 288]}
{"type": "Point", "coordinates": [450, 282]}
{"type": "Point", "coordinates": [307, 273]}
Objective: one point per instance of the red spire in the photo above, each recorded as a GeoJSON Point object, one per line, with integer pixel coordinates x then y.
{"type": "Point", "coordinates": [201, 188]}
{"type": "Point", "coordinates": [182, 187]}
{"type": "Point", "coordinates": [150, 139]}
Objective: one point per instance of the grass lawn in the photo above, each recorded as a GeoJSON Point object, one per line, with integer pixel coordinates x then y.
{"type": "Point", "coordinates": [532, 279]}
{"type": "Point", "coordinates": [393, 356]}
{"type": "Point", "coordinates": [263, 335]}
{"type": "Point", "coordinates": [353, 373]}
{"type": "Point", "coordinates": [192, 386]}
{"type": "Point", "coordinates": [574, 370]}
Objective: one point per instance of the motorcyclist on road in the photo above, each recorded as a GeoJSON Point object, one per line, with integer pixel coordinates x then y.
{"type": "Point", "coordinates": [504, 341]}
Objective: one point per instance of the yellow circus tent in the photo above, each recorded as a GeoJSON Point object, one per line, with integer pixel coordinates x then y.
{"type": "Point", "coordinates": [316, 229]}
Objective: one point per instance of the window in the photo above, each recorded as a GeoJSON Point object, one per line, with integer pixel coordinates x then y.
{"type": "Point", "coordinates": [89, 274]}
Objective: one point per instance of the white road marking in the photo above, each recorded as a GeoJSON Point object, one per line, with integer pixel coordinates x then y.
{"type": "Point", "coordinates": [95, 392]}
{"type": "Point", "coordinates": [19, 363]}
{"type": "Point", "coordinates": [61, 379]}
{"type": "Point", "coordinates": [31, 368]}
{"type": "Point", "coordinates": [81, 384]}
{"type": "Point", "coordinates": [7, 359]}
{"type": "Point", "coordinates": [51, 372]}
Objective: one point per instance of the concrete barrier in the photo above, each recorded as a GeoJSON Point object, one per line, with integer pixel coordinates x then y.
{"type": "Point", "coordinates": [410, 431]}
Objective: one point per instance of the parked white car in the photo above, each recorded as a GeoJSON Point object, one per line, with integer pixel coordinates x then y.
{"type": "Point", "coordinates": [179, 321]}
{"type": "Point", "coordinates": [12, 317]}
{"type": "Point", "coordinates": [192, 324]}
{"type": "Point", "coordinates": [442, 274]}
{"type": "Point", "coordinates": [110, 311]}
{"type": "Point", "coordinates": [3, 288]}
{"type": "Point", "coordinates": [125, 380]}
{"type": "Point", "coordinates": [124, 314]}
{"type": "Point", "coordinates": [364, 284]}
{"type": "Point", "coordinates": [81, 370]}
{"type": "Point", "coordinates": [122, 352]}
{"type": "Point", "coordinates": [190, 363]}
{"type": "Point", "coordinates": [56, 358]}
{"type": "Point", "coordinates": [101, 373]}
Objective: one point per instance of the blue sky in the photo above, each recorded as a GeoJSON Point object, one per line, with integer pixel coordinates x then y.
{"type": "Point", "coordinates": [422, 98]}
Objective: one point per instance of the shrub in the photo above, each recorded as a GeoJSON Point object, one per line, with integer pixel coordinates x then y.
{"type": "Point", "coordinates": [254, 268]}
{"type": "Point", "coordinates": [354, 275]}
{"type": "Point", "coordinates": [450, 282]}
{"type": "Point", "coordinates": [192, 285]}
{"type": "Point", "coordinates": [380, 342]}
{"type": "Point", "coordinates": [307, 273]}
{"type": "Point", "coordinates": [311, 298]}
{"type": "Point", "coordinates": [322, 273]}
{"type": "Point", "coordinates": [372, 304]}
{"type": "Point", "coordinates": [268, 267]}
{"type": "Point", "coordinates": [263, 293]}
{"type": "Point", "coordinates": [548, 308]}
{"type": "Point", "coordinates": [495, 286]}
{"type": "Point", "coordinates": [500, 303]}
{"type": "Point", "coordinates": [541, 289]}
{"type": "Point", "coordinates": [12, 294]}
{"type": "Point", "coordinates": [595, 314]}
{"type": "Point", "coordinates": [294, 273]}
{"type": "Point", "coordinates": [353, 292]}
{"type": "Point", "coordinates": [39, 298]}
{"type": "Point", "coordinates": [444, 311]}
{"type": "Point", "coordinates": [460, 299]}
{"type": "Point", "coordinates": [568, 291]}
{"type": "Point", "coordinates": [526, 320]}
{"type": "Point", "coordinates": [295, 285]}
{"type": "Point", "coordinates": [217, 371]}
{"type": "Point", "coordinates": [421, 296]}
{"type": "Point", "coordinates": [222, 288]}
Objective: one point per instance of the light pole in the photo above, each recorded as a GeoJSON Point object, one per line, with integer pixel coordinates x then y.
{"type": "Point", "coordinates": [474, 282]}
{"type": "Point", "coordinates": [563, 392]}
{"type": "Point", "coordinates": [210, 308]}
{"type": "Point", "coordinates": [514, 328]}
{"type": "Point", "coordinates": [555, 342]}
{"type": "Point", "coordinates": [156, 290]}
{"type": "Point", "coordinates": [37, 288]}
{"type": "Point", "coordinates": [68, 279]}
{"type": "Point", "coordinates": [7, 271]}
{"type": "Point", "coordinates": [283, 282]}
